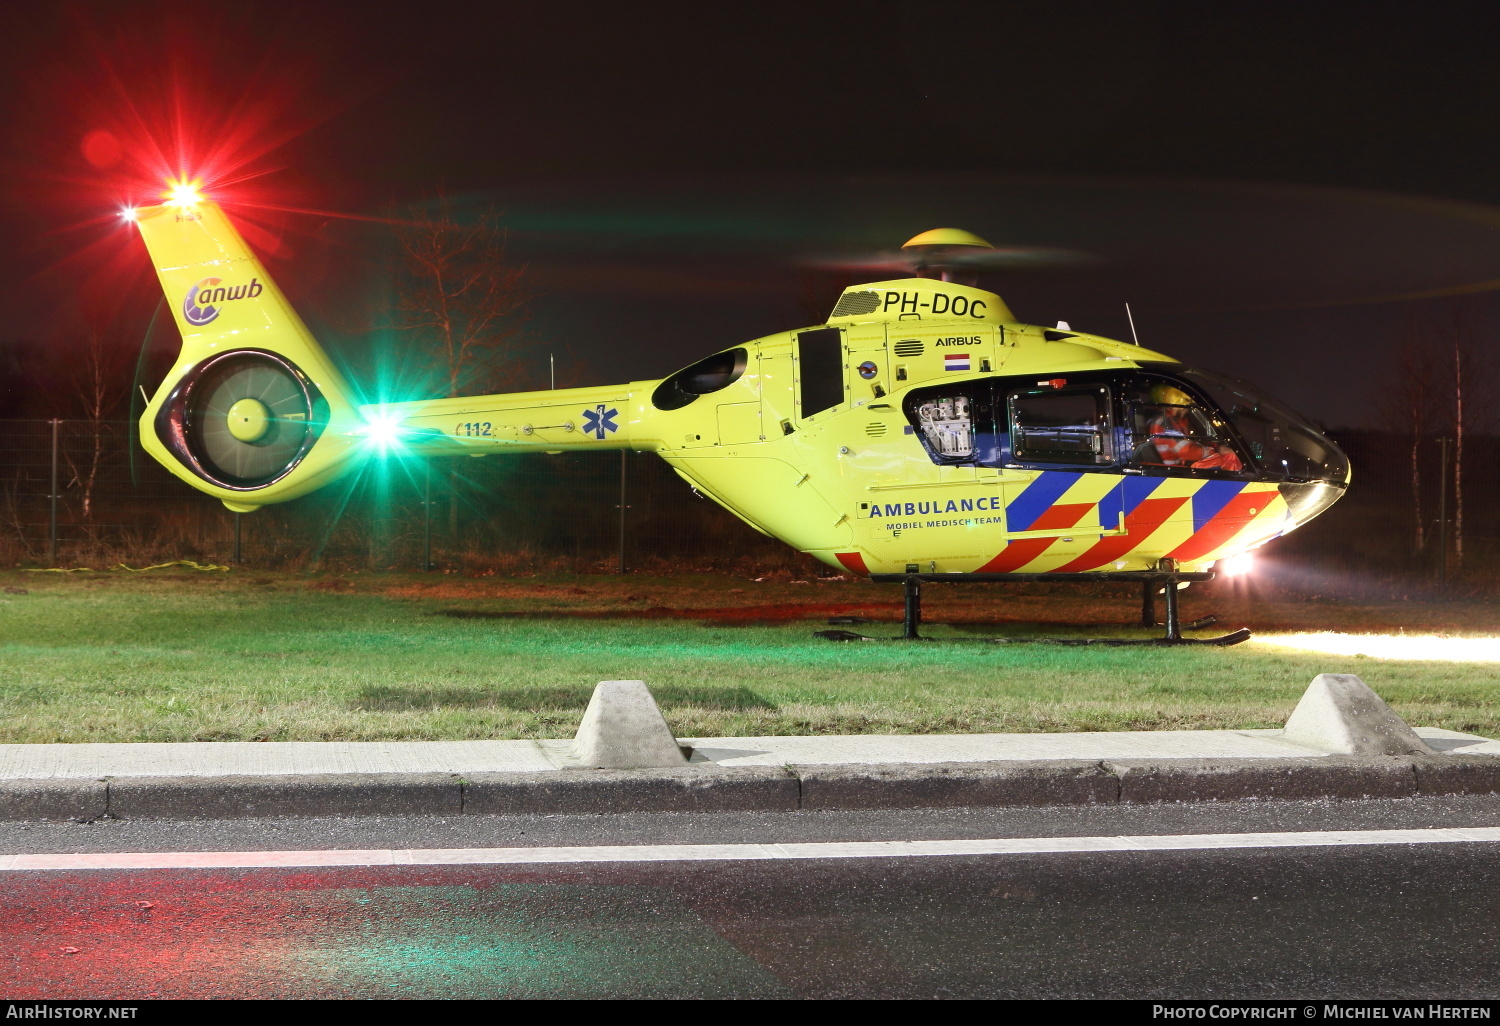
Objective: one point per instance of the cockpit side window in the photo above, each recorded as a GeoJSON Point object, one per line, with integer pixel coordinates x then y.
{"type": "Point", "coordinates": [1284, 444]}
{"type": "Point", "coordinates": [1062, 426]}
{"type": "Point", "coordinates": [1170, 428]}
{"type": "Point", "coordinates": [1179, 436]}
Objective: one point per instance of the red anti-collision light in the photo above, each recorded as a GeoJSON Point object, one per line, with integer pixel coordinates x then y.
{"type": "Point", "coordinates": [183, 193]}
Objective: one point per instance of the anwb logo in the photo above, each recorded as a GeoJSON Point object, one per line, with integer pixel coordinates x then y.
{"type": "Point", "coordinates": [198, 308]}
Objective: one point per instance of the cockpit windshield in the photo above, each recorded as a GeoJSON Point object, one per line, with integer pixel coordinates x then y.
{"type": "Point", "coordinates": [1283, 443]}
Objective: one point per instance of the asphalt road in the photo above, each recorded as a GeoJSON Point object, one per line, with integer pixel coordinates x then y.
{"type": "Point", "coordinates": [1368, 921]}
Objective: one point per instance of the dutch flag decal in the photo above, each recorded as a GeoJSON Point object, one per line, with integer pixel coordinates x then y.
{"type": "Point", "coordinates": [955, 361]}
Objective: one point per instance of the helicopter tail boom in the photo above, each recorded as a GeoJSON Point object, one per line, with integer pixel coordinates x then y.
{"type": "Point", "coordinates": [558, 420]}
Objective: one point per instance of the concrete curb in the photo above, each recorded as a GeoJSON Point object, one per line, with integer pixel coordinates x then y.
{"type": "Point", "coordinates": [1329, 776]}
{"type": "Point", "coordinates": [1457, 774]}
{"type": "Point", "coordinates": [685, 789]}
{"type": "Point", "coordinates": [950, 784]}
{"type": "Point", "coordinates": [82, 800]}
{"type": "Point", "coordinates": [312, 794]}
{"type": "Point", "coordinates": [702, 788]}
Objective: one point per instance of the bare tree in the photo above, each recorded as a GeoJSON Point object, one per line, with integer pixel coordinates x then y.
{"type": "Point", "coordinates": [1470, 394]}
{"type": "Point", "coordinates": [1409, 404]}
{"type": "Point", "coordinates": [459, 292]}
{"type": "Point", "coordinates": [1457, 339]}
{"type": "Point", "coordinates": [99, 386]}
{"type": "Point", "coordinates": [1440, 377]}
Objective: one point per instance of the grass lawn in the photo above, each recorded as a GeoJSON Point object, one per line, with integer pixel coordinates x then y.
{"type": "Point", "coordinates": [249, 655]}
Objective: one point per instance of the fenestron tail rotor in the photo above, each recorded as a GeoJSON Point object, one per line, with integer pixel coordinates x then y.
{"type": "Point", "coordinates": [244, 419]}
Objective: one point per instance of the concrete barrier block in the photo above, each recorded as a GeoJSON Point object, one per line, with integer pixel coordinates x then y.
{"type": "Point", "coordinates": [1187, 780]}
{"type": "Point", "coordinates": [698, 789]}
{"type": "Point", "coordinates": [1458, 774]}
{"type": "Point", "coordinates": [53, 799]}
{"type": "Point", "coordinates": [345, 794]}
{"type": "Point", "coordinates": [931, 785]}
{"type": "Point", "coordinates": [1339, 713]}
{"type": "Point", "coordinates": [623, 728]}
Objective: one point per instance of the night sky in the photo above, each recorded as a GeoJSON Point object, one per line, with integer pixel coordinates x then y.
{"type": "Point", "coordinates": [1263, 182]}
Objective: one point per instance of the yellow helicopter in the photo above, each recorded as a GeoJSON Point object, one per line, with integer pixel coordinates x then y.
{"type": "Point", "coordinates": [921, 434]}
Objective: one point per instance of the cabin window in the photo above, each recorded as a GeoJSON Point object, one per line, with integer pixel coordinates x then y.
{"type": "Point", "coordinates": [704, 377]}
{"type": "Point", "coordinates": [820, 370]}
{"type": "Point", "coordinates": [956, 425]}
{"type": "Point", "coordinates": [1053, 426]}
{"type": "Point", "coordinates": [947, 426]}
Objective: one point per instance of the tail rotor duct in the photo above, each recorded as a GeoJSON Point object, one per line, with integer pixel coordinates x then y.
{"type": "Point", "coordinates": [243, 420]}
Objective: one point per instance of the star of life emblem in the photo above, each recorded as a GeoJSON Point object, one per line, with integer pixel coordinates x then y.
{"type": "Point", "coordinates": [600, 420]}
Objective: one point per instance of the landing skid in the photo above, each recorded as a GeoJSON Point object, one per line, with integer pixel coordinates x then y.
{"type": "Point", "coordinates": [1234, 638]}
{"type": "Point", "coordinates": [1189, 625]}
{"type": "Point", "coordinates": [1164, 580]}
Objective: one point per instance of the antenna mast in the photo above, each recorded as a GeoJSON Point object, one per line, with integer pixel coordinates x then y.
{"type": "Point", "coordinates": [1131, 318]}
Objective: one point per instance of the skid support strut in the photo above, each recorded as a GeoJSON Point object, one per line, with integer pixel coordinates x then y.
{"type": "Point", "coordinates": [912, 621]}
{"type": "Point", "coordinates": [1174, 621]}
{"type": "Point", "coordinates": [1165, 578]}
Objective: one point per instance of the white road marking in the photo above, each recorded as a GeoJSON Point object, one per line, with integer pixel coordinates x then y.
{"type": "Point", "coordinates": [733, 852]}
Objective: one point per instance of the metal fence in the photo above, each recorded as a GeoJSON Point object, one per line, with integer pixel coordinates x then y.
{"type": "Point", "coordinates": [81, 492]}
{"type": "Point", "coordinates": [75, 492]}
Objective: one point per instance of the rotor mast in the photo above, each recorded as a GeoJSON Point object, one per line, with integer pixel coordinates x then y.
{"type": "Point", "coordinates": [948, 254]}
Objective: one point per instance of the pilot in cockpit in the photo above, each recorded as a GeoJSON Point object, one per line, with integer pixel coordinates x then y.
{"type": "Point", "coordinates": [1175, 432]}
